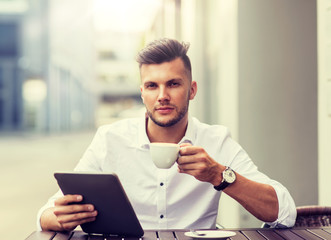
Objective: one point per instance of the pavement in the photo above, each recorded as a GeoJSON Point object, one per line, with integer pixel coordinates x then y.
{"type": "Point", "coordinates": [27, 164]}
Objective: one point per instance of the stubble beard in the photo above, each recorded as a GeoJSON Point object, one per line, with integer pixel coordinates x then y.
{"type": "Point", "coordinates": [180, 115]}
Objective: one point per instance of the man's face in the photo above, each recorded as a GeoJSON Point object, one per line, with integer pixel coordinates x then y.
{"type": "Point", "coordinates": [166, 90]}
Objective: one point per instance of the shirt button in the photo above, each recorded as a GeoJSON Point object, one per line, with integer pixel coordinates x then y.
{"type": "Point", "coordinates": [161, 216]}
{"type": "Point", "coordinates": [161, 184]}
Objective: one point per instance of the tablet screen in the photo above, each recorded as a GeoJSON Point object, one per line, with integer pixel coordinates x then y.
{"type": "Point", "coordinates": [115, 213]}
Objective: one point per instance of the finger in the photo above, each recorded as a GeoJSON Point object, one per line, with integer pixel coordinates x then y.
{"type": "Point", "coordinates": [74, 208]}
{"type": "Point", "coordinates": [191, 172]}
{"type": "Point", "coordinates": [76, 217]}
{"type": "Point", "coordinates": [185, 145]}
{"type": "Point", "coordinates": [191, 166]}
{"type": "Point", "coordinates": [182, 146]}
{"type": "Point", "coordinates": [194, 157]}
{"type": "Point", "coordinates": [66, 199]}
{"type": "Point", "coordinates": [189, 150]}
{"type": "Point", "coordinates": [182, 160]}
{"type": "Point", "coordinates": [69, 226]}
{"type": "Point", "coordinates": [197, 173]}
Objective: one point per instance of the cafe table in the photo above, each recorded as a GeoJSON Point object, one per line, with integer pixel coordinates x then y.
{"type": "Point", "coordinates": [307, 233]}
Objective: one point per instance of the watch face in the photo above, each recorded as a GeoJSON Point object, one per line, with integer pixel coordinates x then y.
{"type": "Point", "coordinates": [229, 176]}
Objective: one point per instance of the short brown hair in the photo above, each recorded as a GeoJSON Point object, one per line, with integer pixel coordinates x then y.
{"type": "Point", "coordinates": [165, 50]}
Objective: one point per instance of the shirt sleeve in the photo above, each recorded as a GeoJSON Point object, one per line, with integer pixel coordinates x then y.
{"type": "Point", "coordinates": [287, 210]}
{"type": "Point", "coordinates": [241, 163]}
{"type": "Point", "coordinates": [90, 162]}
{"type": "Point", "coordinates": [95, 154]}
{"type": "Point", "coordinates": [49, 204]}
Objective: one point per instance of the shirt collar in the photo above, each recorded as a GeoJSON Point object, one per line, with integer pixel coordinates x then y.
{"type": "Point", "coordinates": [144, 142]}
{"type": "Point", "coordinates": [190, 133]}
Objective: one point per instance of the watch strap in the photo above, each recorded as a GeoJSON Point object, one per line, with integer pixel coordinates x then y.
{"type": "Point", "coordinates": [224, 184]}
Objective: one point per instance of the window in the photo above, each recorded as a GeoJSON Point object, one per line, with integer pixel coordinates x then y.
{"type": "Point", "coordinates": [1, 78]}
{"type": "Point", "coordinates": [8, 40]}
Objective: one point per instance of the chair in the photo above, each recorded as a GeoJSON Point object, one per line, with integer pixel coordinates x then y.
{"type": "Point", "coordinates": [313, 216]}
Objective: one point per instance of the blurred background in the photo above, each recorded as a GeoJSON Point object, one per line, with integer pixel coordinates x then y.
{"type": "Point", "coordinates": [68, 66]}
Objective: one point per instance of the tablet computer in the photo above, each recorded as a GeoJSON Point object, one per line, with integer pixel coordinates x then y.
{"type": "Point", "coordinates": [115, 212]}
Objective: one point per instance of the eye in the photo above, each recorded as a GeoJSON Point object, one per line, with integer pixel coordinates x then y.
{"type": "Point", "coordinates": [174, 84]}
{"type": "Point", "coordinates": [150, 85]}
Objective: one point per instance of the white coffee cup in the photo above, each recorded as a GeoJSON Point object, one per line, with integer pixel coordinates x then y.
{"type": "Point", "coordinates": [164, 155]}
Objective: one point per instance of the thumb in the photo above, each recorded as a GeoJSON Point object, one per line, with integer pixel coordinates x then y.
{"type": "Point", "coordinates": [185, 145]}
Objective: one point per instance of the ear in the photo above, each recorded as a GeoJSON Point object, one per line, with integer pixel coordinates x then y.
{"type": "Point", "coordinates": [193, 89]}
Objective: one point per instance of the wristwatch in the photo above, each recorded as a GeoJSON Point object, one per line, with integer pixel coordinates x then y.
{"type": "Point", "coordinates": [229, 176]}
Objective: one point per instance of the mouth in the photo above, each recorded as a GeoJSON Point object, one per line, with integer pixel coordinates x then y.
{"type": "Point", "coordinates": [164, 109]}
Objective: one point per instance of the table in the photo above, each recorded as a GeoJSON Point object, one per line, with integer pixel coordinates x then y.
{"type": "Point", "coordinates": [241, 234]}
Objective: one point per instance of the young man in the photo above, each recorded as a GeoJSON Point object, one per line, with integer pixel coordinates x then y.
{"type": "Point", "coordinates": [185, 196]}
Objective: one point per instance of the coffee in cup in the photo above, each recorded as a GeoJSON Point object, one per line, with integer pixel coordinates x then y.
{"type": "Point", "coordinates": [164, 155]}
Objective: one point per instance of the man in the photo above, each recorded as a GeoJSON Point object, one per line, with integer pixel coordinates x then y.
{"type": "Point", "coordinates": [186, 195]}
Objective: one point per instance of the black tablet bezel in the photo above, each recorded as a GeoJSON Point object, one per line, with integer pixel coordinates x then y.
{"type": "Point", "coordinates": [116, 215]}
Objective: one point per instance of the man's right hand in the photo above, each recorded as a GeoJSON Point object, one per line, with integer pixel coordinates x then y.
{"type": "Point", "coordinates": [66, 215]}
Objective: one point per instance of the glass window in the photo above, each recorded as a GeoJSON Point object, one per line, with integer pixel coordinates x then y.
{"type": "Point", "coordinates": [8, 39]}
{"type": "Point", "coordinates": [1, 78]}
{"type": "Point", "coordinates": [1, 113]}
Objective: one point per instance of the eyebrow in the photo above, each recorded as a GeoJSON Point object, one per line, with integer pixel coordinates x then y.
{"type": "Point", "coordinates": [170, 80]}
{"type": "Point", "coordinates": [175, 79]}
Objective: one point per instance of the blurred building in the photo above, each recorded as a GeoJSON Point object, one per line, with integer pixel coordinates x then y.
{"type": "Point", "coordinates": [11, 116]}
{"type": "Point", "coordinates": [46, 66]}
{"type": "Point", "coordinates": [71, 53]}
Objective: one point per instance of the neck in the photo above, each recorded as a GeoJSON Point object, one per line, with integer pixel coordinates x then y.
{"type": "Point", "coordinates": [171, 134]}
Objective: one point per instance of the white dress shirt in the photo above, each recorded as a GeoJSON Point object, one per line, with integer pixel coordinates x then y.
{"type": "Point", "coordinates": [165, 198]}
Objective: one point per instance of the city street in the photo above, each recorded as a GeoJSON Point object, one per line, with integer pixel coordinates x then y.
{"type": "Point", "coordinates": [27, 164]}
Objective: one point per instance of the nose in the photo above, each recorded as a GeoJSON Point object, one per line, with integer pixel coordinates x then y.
{"type": "Point", "coordinates": [163, 95]}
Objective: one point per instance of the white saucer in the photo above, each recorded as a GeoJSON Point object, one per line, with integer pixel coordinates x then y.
{"type": "Point", "coordinates": [211, 234]}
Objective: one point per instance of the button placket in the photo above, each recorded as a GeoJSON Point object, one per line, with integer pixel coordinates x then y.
{"type": "Point", "coordinates": [161, 198]}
